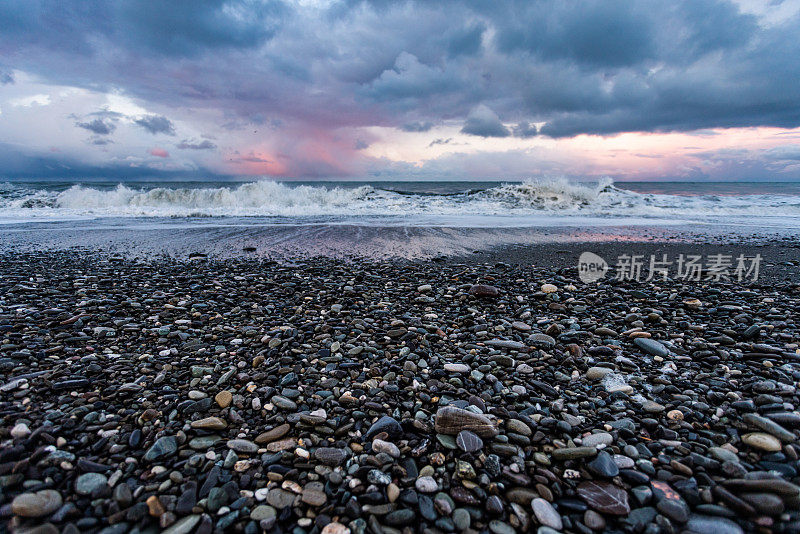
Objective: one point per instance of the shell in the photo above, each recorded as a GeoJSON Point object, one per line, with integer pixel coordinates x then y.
{"type": "Point", "coordinates": [451, 420]}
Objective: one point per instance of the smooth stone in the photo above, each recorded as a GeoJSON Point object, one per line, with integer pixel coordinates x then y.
{"type": "Point", "coordinates": [703, 524]}
{"type": "Point", "coordinates": [202, 443]}
{"type": "Point", "coordinates": [163, 447]}
{"type": "Point", "coordinates": [651, 346]}
{"type": "Point", "coordinates": [723, 455]}
{"type": "Point", "coordinates": [314, 496]}
{"type": "Point", "coordinates": [522, 496]}
{"type": "Point", "coordinates": [546, 514]}
{"type": "Point", "coordinates": [210, 423]}
{"type": "Point", "coordinates": [484, 291]}
{"type": "Point", "coordinates": [769, 426]}
{"type": "Point", "coordinates": [766, 503]}
{"type": "Point", "coordinates": [598, 373]}
{"type": "Point", "coordinates": [461, 519]}
{"type": "Point", "coordinates": [519, 427]}
{"type": "Point", "coordinates": [280, 498]}
{"type": "Point", "coordinates": [20, 431]}
{"type": "Point", "coordinates": [469, 441]}
{"type": "Point", "coordinates": [499, 527]}
{"type": "Point", "coordinates": [88, 483]}
{"type": "Point", "coordinates": [330, 456]}
{"type": "Point", "coordinates": [38, 504]}
{"type": "Point", "coordinates": [273, 434]}
{"type": "Point", "coordinates": [600, 438]}
{"type": "Point", "coordinates": [457, 368]}
{"type": "Point", "coordinates": [573, 453]}
{"type": "Point", "coordinates": [603, 465]}
{"type": "Point", "coordinates": [242, 445]}
{"type": "Point", "coordinates": [675, 509]}
{"type": "Point", "coordinates": [223, 398]}
{"type": "Point", "coordinates": [336, 528]}
{"type": "Point", "coordinates": [623, 462]}
{"type": "Point", "coordinates": [400, 517]}
{"type": "Point", "coordinates": [650, 406]}
{"type": "Point", "coordinates": [593, 520]}
{"type": "Point", "coordinates": [385, 424]}
{"type": "Point", "coordinates": [451, 420]}
{"type": "Point", "coordinates": [762, 441]}
{"type": "Point", "coordinates": [183, 526]}
{"type": "Point", "coordinates": [387, 447]}
{"type": "Point", "coordinates": [770, 485]}
{"type": "Point", "coordinates": [505, 344]}
{"type": "Point", "coordinates": [426, 485]}
{"type": "Point", "coordinates": [263, 511]}
{"type": "Point", "coordinates": [283, 403]}
{"type": "Point", "coordinates": [604, 497]}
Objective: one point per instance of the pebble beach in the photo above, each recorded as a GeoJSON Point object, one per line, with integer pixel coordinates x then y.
{"type": "Point", "coordinates": [331, 396]}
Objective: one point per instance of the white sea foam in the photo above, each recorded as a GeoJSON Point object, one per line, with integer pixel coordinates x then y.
{"type": "Point", "coordinates": [268, 198]}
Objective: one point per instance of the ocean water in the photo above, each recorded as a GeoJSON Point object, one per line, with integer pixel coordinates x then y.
{"type": "Point", "coordinates": [398, 219]}
{"type": "Point", "coordinates": [536, 202]}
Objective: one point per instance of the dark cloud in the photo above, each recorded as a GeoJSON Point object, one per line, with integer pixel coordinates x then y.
{"type": "Point", "coordinates": [484, 122]}
{"type": "Point", "coordinates": [525, 130]}
{"type": "Point", "coordinates": [609, 33]}
{"type": "Point", "coordinates": [592, 67]}
{"type": "Point", "coordinates": [784, 152]}
{"type": "Point", "coordinates": [48, 166]}
{"type": "Point", "coordinates": [183, 29]}
{"type": "Point", "coordinates": [6, 77]}
{"type": "Point", "coordinates": [466, 40]}
{"type": "Point", "coordinates": [99, 126]}
{"type": "Point", "coordinates": [440, 141]}
{"type": "Point", "coordinates": [417, 126]}
{"type": "Point", "coordinates": [188, 144]}
{"type": "Point", "coordinates": [156, 124]}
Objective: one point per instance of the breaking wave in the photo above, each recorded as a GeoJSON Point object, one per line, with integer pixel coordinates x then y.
{"type": "Point", "coordinates": [267, 198]}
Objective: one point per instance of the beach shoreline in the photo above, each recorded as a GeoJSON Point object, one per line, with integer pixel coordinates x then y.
{"type": "Point", "coordinates": [489, 391]}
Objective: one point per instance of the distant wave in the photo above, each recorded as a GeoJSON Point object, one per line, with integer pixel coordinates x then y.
{"type": "Point", "coordinates": [267, 198]}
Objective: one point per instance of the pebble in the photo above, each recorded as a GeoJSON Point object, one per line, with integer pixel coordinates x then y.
{"type": "Point", "coordinates": [426, 484]}
{"type": "Point", "coordinates": [242, 446]}
{"type": "Point", "coordinates": [20, 431]}
{"type": "Point", "coordinates": [88, 483]}
{"type": "Point", "coordinates": [762, 441]}
{"type": "Point", "coordinates": [39, 504]}
{"type": "Point", "coordinates": [336, 397]}
{"type": "Point", "coordinates": [598, 373]}
{"type": "Point", "coordinates": [651, 346]}
{"type": "Point", "coordinates": [223, 398]}
{"type": "Point", "coordinates": [330, 456]}
{"type": "Point", "coordinates": [452, 420]}
{"type": "Point", "coordinates": [546, 514]}
{"type": "Point", "coordinates": [597, 439]}
{"type": "Point", "coordinates": [469, 441]}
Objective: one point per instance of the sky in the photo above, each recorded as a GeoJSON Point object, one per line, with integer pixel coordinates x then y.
{"type": "Point", "coordinates": [420, 90]}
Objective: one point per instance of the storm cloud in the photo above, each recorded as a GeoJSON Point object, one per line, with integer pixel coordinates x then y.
{"type": "Point", "coordinates": [322, 73]}
{"type": "Point", "coordinates": [156, 124]}
{"type": "Point", "coordinates": [98, 126]}
{"type": "Point", "coordinates": [205, 144]}
{"type": "Point", "coordinates": [484, 122]}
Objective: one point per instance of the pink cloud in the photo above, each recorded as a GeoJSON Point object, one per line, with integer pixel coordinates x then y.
{"type": "Point", "coordinates": [159, 152]}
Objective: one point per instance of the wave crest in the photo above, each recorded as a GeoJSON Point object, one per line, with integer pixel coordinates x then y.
{"type": "Point", "coordinates": [267, 198]}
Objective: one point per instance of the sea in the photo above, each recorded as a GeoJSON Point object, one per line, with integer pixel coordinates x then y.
{"type": "Point", "coordinates": [400, 218]}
